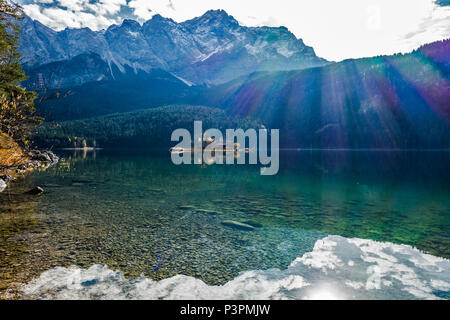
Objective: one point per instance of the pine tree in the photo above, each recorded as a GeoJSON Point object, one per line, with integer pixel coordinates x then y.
{"type": "Point", "coordinates": [17, 112]}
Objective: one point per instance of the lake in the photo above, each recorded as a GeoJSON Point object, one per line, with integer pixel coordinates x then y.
{"type": "Point", "coordinates": [128, 224]}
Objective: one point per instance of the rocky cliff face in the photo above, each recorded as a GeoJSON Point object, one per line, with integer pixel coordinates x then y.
{"type": "Point", "coordinates": [209, 49]}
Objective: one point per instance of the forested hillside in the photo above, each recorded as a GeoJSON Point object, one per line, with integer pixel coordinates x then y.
{"type": "Point", "coordinates": [144, 128]}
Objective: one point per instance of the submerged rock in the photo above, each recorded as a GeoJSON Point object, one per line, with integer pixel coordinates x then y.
{"type": "Point", "coordinates": [35, 191]}
{"type": "Point", "coordinates": [206, 211]}
{"type": "Point", "coordinates": [83, 181]}
{"type": "Point", "coordinates": [253, 224]}
{"type": "Point", "coordinates": [186, 207]}
{"type": "Point", "coordinates": [156, 190]}
{"type": "Point", "coordinates": [238, 225]}
{"type": "Point", "coordinates": [77, 184]}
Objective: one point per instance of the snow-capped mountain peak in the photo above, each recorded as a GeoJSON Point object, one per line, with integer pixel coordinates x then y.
{"type": "Point", "coordinates": [212, 48]}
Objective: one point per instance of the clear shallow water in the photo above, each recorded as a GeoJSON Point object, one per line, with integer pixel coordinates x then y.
{"type": "Point", "coordinates": [151, 220]}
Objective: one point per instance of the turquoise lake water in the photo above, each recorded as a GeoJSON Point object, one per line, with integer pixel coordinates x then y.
{"type": "Point", "coordinates": [138, 214]}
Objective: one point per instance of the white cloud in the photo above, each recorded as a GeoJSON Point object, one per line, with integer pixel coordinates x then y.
{"type": "Point", "coordinates": [145, 9]}
{"type": "Point", "coordinates": [34, 11]}
{"type": "Point", "coordinates": [105, 7]}
{"type": "Point", "coordinates": [59, 18]}
{"type": "Point", "coordinates": [336, 29]}
{"type": "Point", "coordinates": [62, 17]}
{"type": "Point", "coordinates": [142, 8]}
{"type": "Point", "coordinates": [73, 5]}
{"type": "Point", "coordinates": [112, 6]}
{"type": "Point", "coordinates": [100, 7]}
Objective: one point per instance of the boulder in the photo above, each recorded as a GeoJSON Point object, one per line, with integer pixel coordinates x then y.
{"type": "Point", "coordinates": [238, 225]}
{"type": "Point", "coordinates": [253, 224]}
{"type": "Point", "coordinates": [53, 157]}
{"type": "Point", "coordinates": [35, 191]}
{"type": "Point", "coordinates": [3, 185]}
{"type": "Point", "coordinates": [47, 157]}
{"type": "Point", "coordinates": [40, 156]}
{"type": "Point", "coordinates": [6, 178]}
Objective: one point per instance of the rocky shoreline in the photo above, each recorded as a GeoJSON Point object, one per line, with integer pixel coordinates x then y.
{"type": "Point", "coordinates": [37, 160]}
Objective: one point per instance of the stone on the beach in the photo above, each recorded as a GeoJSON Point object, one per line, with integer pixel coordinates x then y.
{"type": "Point", "coordinates": [238, 225]}
{"type": "Point", "coordinates": [2, 185]}
{"type": "Point", "coordinates": [35, 191]}
{"type": "Point", "coordinates": [46, 157]}
{"type": "Point", "coordinates": [6, 178]}
{"type": "Point", "coordinates": [41, 156]}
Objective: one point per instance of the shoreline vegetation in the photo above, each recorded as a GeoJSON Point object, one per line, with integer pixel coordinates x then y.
{"type": "Point", "coordinates": [15, 161]}
{"type": "Point", "coordinates": [18, 116]}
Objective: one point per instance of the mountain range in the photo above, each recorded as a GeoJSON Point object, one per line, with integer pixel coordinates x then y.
{"type": "Point", "coordinates": [210, 49]}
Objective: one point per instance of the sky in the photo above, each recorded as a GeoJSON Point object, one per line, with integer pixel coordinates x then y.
{"type": "Point", "coordinates": [336, 29]}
